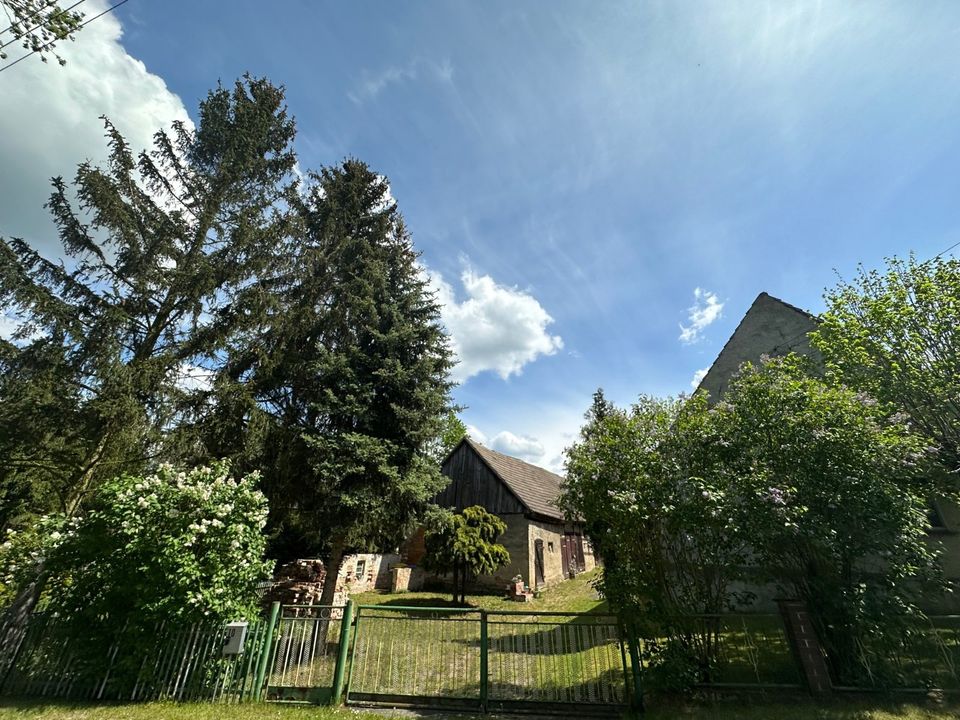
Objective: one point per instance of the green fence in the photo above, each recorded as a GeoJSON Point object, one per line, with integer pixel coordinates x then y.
{"type": "Point", "coordinates": [928, 658]}
{"type": "Point", "coordinates": [556, 658]}
{"type": "Point", "coordinates": [303, 662]}
{"type": "Point", "coordinates": [180, 663]}
{"type": "Point", "coordinates": [491, 660]}
{"type": "Point", "coordinates": [750, 650]}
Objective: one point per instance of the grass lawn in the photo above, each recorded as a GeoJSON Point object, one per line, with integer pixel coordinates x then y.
{"type": "Point", "coordinates": [575, 595]}
{"type": "Point", "coordinates": [730, 710]}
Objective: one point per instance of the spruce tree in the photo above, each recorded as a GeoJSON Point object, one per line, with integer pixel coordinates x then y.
{"type": "Point", "coordinates": [155, 248]}
{"type": "Point", "coordinates": [347, 380]}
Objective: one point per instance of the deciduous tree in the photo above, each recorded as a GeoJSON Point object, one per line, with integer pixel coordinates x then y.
{"type": "Point", "coordinates": [895, 333]}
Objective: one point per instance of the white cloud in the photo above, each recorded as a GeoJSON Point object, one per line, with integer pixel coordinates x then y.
{"type": "Point", "coordinates": [8, 326]}
{"type": "Point", "coordinates": [49, 121]}
{"type": "Point", "coordinates": [372, 84]}
{"type": "Point", "coordinates": [476, 434]}
{"type": "Point", "coordinates": [519, 446]}
{"type": "Point", "coordinates": [192, 378]}
{"type": "Point", "coordinates": [705, 310]}
{"type": "Point", "coordinates": [698, 376]}
{"type": "Point", "coordinates": [497, 327]}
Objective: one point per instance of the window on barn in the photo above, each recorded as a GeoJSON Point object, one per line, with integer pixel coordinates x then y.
{"type": "Point", "coordinates": [361, 566]}
{"type": "Point", "coordinates": [550, 546]}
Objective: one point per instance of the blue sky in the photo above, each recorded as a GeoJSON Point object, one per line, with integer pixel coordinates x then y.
{"type": "Point", "coordinates": [573, 172]}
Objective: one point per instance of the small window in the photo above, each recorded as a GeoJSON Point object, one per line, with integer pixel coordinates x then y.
{"type": "Point", "coordinates": [935, 516]}
{"type": "Point", "coordinates": [361, 566]}
{"type": "Point", "coordinates": [550, 546]}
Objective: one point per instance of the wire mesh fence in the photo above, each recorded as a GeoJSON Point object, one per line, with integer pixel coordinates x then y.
{"type": "Point", "coordinates": [487, 659]}
{"type": "Point", "coordinates": [927, 657]}
{"type": "Point", "coordinates": [414, 653]}
{"type": "Point", "coordinates": [304, 657]}
{"type": "Point", "coordinates": [751, 649]}
{"type": "Point", "coordinates": [556, 658]}
{"type": "Point", "coordinates": [166, 663]}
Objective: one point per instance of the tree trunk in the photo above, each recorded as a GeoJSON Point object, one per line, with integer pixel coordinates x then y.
{"type": "Point", "coordinates": [454, 589]}
{"type": "Point", "coordinates": [16, 621]}
{"type": "Point", "coordinates": [327, 596]}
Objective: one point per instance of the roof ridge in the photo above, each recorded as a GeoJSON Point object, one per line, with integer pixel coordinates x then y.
{"type": "Point", "coordinates": [786, 304]}
{"type": "Point", "coordinates": [763, 294]}
{"type": "Point", "coordinates": [483, 447]}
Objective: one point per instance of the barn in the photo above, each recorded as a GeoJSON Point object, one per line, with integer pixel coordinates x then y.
{"type": "Point", "coordinates": [544, 547]}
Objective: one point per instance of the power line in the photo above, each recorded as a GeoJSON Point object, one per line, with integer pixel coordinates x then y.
{"type": "Point", "coordinates": [80, 27]}
{"type": "Point", "coordinates": [944, 252]}
{"type": "Point", "coordinates": [31, 17]}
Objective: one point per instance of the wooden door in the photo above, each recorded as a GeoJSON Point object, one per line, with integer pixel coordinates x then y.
{"type": "Point", "coordinates": [538, 563]}
{"type": "Point", "coordinates": [565, 556]}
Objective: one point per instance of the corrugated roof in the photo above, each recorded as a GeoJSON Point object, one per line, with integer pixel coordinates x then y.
{"type": "Point", "coordinates": [535, 487]}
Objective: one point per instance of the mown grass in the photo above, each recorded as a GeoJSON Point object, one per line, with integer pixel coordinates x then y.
{"type": "Point", "coordinates": [52, 710]}
{"type": "Point", "coordinates": [575, 595]}
{"type": "Point", "coordinates": [734, 709]}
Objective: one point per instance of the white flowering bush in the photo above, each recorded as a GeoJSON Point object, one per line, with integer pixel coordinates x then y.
{"type": "Point", "coordinates": [23, 552]}
{"type": "Point", "coordinates": [165, 550]}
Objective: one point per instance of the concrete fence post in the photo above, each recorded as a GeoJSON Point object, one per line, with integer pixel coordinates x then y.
{"type": "Point", "coordinates": [806, 646]}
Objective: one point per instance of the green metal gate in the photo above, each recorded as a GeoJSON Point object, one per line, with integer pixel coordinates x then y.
{"type": "Point", "coordinates": [506, 660]}
{"type": "Point", "coordinates": [306, 653]}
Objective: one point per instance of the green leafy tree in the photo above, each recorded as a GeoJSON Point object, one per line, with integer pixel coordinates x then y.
{"type": "Point", "coordinates": [789, 481]}
{"type": "Point", "coordinates": [652, 484]}
{"type": "Point", "coordinates": [340, 391]}
{"type": "Point", "coordinates": [464, 544]}
{"type": "Point", "coordinates": [836, 485]}
{"type": "Point", "coordinates": [452, 431]}
{"type": "Point", "coordinates": [38, 25]}
{"type": "Point", "coordinates": [895, 334]}
{"type": "Point", "coordinates": [155, 248]}
{"type": "Point", "coordinates": [170, 547]}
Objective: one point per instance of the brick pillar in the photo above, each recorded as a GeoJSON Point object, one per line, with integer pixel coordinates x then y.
{"type": "Point", "coordinates": [806, 646]}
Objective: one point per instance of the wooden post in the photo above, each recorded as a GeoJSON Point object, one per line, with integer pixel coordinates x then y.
{"type": "Point", "coordinates": [342, 653]}
{"type": "Point", "coordinates": [265, 651]}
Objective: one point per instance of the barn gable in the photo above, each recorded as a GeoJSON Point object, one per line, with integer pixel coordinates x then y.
{"type": "Point", "coordinates": [500, 483]}
{"type": "Point", "coordinates": [770, 327]}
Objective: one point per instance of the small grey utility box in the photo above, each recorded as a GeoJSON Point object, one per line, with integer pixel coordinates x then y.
{"type": "Point", "coordinates": [233, 642]}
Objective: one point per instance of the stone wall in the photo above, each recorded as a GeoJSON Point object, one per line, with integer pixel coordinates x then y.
{"type": "Point", "coordinates": [515, 540]}
{"type": "Point", "coordinates": [551, 534]}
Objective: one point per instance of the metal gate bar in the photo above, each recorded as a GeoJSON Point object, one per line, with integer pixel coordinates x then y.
{"type": "Point", "coordinates": [503, 660]}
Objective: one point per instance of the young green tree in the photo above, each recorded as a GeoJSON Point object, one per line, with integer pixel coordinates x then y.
{"type": "Point", "coordinates": [464, 544]}
{"type": "Point", "coordinates": [154, 250]}
{"type": "Point", "coordinates": [344, 386]}
{"type": "Point", "coordinates": [895, 334]}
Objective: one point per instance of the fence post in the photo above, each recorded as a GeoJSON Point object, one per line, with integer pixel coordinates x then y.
{"type": "Point", "coordinates": [484, 674]}
{"type": "Point", "coordinates": [342, 653]}
{"type": "Point", "coordinates": [633, 644]}
{"type": "Point", "coordinates": [265, 651]}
